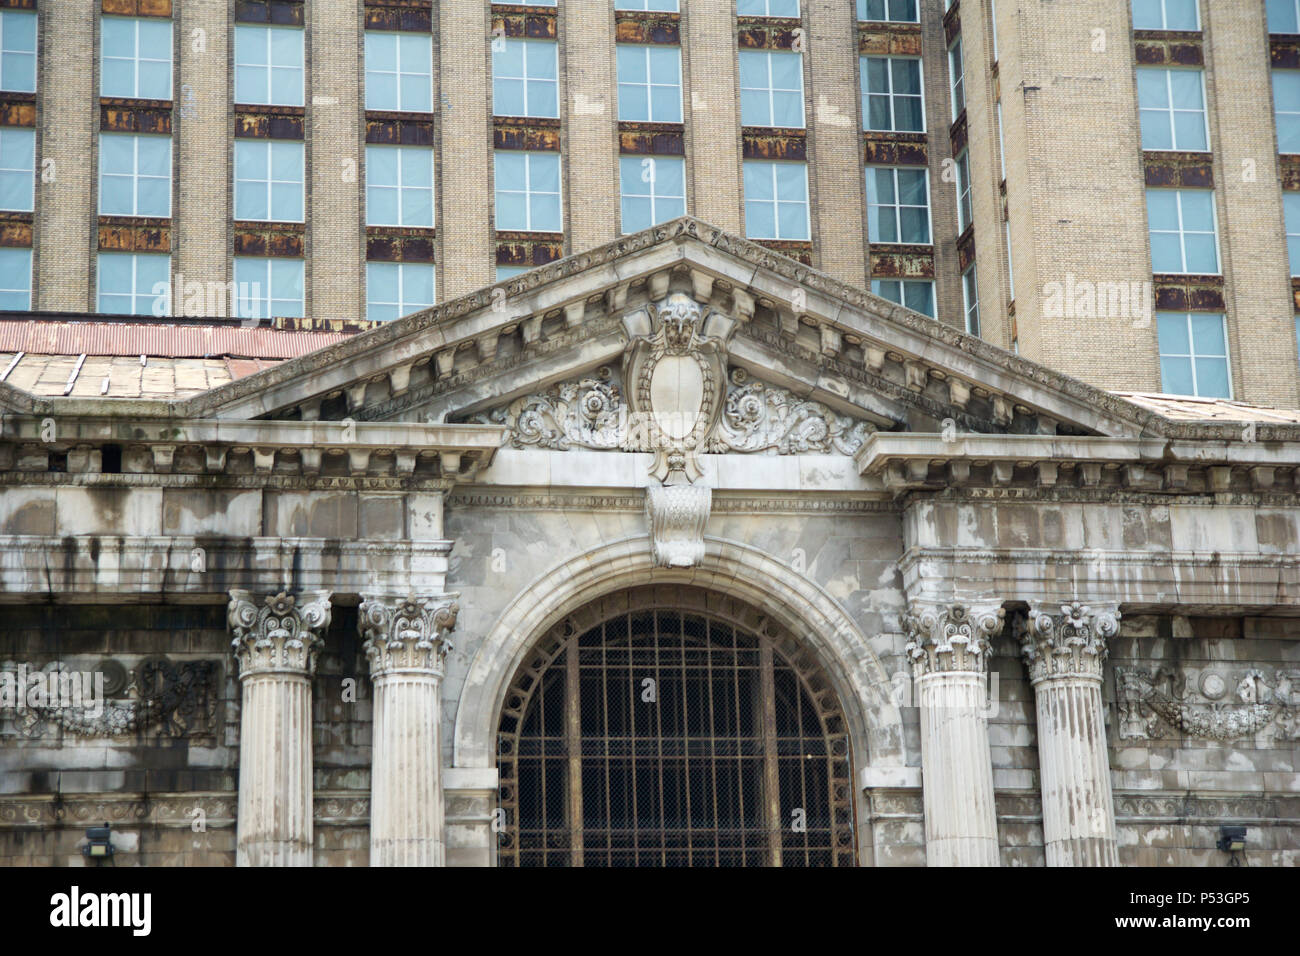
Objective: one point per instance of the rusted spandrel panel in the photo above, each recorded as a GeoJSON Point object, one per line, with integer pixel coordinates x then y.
{"type": "Point", "coordinates": [631, 27]}
{"type": "Point", "coordinates": [643, 139]}
{"type": "Point", "coordinates": [399, 246]}
{"type": "Point", "coordinates": [1177, 293]}
{"type": "Point", "coordinates": [1188, 170]}
{"type": "Point", "coordinates": [413, 18]}
{"type": "Point", "coordinates": [895, 149]}
{"type": "Point", "coordinates": [1284, 54]}
{"type": "Point", "coordinates": [276, 12]}
{"type": "Point", "coordinates": [1290, 167]}
{"type": "Point", "coordinates": [383, 131]}
{"type": "Point", "coordinates": [1295, 293]}
{"type": "Point", "coordinates": [15, 234]}
{"type": "Point", "coordinates": [259, 124]}
{"type": "Point", "coordinates": [118, 236]}
{"type": "Point", "coordinates": [966, 248]}
{"type": "Point", "coordinates": [275, 243]}
{"type": "Point", "coordinates": [957, 133]}
{"type": "Point", "coordinates": [118, 117]}
{"type": "Point", "coordinates": [1161, 48]}
{"type": "Point", "coordinates": [17, 4]}
{"type": "Point", "coordinates": [952, 24]}
{"type": "Point", "coordinates": [17, 113]}
{"type": "Point", "coordinates": [908, 262]}
{"type": "Point", "coordinates": [529, 135]}
{"type": "Point", "coordinates": [767, 34]}
{"type": "Point", "coordinates": [136, 8]}
{"type": "Point", "coordinates": [798, 250]}
{"type": "Point", "coordinates": [895, 40]}
{"type": "Point", "coordinates": [772, 144]}
{"type": "Point", "coordinates": [524, 24]}
{"type": "Point", "coordinates": [522, 249]}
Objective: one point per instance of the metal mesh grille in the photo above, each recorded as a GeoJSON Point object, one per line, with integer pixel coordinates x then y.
{"type": "Point", "coordinates": [663, 738]}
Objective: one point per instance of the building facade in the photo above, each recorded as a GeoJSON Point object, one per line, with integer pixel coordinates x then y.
{"type": "Point", "coordinates": [672, 552]}
{"type": "Point", "coordinates": [1115, 177]}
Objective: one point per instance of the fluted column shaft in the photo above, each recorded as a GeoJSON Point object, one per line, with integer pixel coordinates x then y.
{"type": "Point", "coordinates": [949, 652]}
{"type": "Point", "coordinates": [1065, 653]}
{"type": "Point", "coordinates": [406, 641]}
{"type": "Point", "coordinates": [276, 645]}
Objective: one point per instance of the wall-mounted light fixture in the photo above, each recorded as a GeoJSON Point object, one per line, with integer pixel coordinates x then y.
{"type": "Point", "coordinates": [99, 844]}
{"type": "Point", "coordinates": [1232, 840]}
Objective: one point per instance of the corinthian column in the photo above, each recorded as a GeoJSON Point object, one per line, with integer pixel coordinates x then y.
{"type": "Point", "coordinates": [276, 645]}
{"type": "Point", "coordinates": [406, 641]}
{"type": "Point", "coordinates": [949, 649]}
{"type": "Point", "coordinates": [1064, 653]}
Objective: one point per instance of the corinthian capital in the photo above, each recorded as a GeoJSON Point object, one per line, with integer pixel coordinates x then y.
{"type": "Point", "coordinates": [1071, 643]}
{"type": "Point", "coordinates": [282, 633]}
{"type": "Point", "coordinates": [951, 637]}
{"type": "Point", "coordinates": [407, 633]}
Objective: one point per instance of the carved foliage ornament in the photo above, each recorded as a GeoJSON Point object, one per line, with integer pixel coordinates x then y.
{"type": "Point", "coordinates": [952, 637]}
{"type": "Point", "coordinates": [759, 417]}
{"type": "Point", "coordinates": [284, 633]}
{"type": "Point", "coordinates": [1069, 644]}
{"type": "Point", "coordinates": [1156, 702]}
{"type": "Point", "coordinates": [407, 634]}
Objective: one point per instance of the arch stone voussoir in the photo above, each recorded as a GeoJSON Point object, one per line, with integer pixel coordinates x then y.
{"type": "Point", "coordinates": [729, 568]}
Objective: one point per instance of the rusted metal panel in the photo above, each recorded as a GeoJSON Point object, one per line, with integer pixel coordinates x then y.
{"type": "Point", "coordinates": [16, 233]}
{"type": "Point", "coordinates": [281, 242]}
{"type": "Point", "coordinates": [1284, 52]}
{"type": "Point", "coordinates": [16, 112]}
{"type": "Point", "coordinates": [400, 245]}
{"type": "Point", "coordinates": [18, 4]}
{"type": "Point", "coordinates": [284, 122]}
{"type": "Point", "coordinates": [1179, 293]}
{"type": "Point", "coordinates": [902, 262]}
{"type": "Point", "coordinates": [966, 248]}
{"type": "Point", "coordinates": [527, 249]}
{"type": "Point", "coordinates": [769, 33]}
{"type": "Point", "coordinates": [895, 149]}
{"type": "Point", "coordinates": [530, 134]}
{"type": "Point", "coordinates": [652, 139]}
{"type": "Point", "coordinates": [800, 251]}
{"type": "Point", "coordinates": [387, 130]}
{"type": "Point", "coordinates": [1162, 48]}
{"type": "Point", "coordinates": [413, 17]}
{"type": "Point", "coordinates": [125, 116]}
{"type": "Point", "coordinates": [774, 144]}
{"type": "Point", "coordinates": [633, 27]}
{"type": "Point", "coordinates": [957, 133]}
{"type": "Point", "coordinates": [278, 12]}
{"type": "Point", "coordinates": [117, 234]}
{"type": "Point", "coordinates": [137, 8]}
{"type": "Point", "coordinates": [1187, 170]}
{"type": "Point", "coordinates": [167, 338]}
{"type": "Point", "coordinates": [952, 23]}
{"type": "Point", "coordinates": [526, 24]}
{"type": "Point", "coordinates": [1290, 166]}
{"type": "Point", "coordinates": [889, 40]}
{"type": "Point", "coordinates": [1295, 292]}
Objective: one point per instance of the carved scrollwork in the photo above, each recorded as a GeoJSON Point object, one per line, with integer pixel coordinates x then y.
{"type": "Point", "coordinates": [284, 633]}
{"type": "Point", "coordinates": [1157, 702]}
{"type": "Point", "coordinates": [1069, 644]}
{"type": "Point", "coordinates": [589, 413]}
{"type": "Point", "coordinates": [411, 633]}
{"type": "Point", "coordinates": [758, 417]}
{"type": "Point", "coordinates": [952, 637]}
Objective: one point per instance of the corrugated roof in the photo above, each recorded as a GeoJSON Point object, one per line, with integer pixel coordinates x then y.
{"type": "Point", "coordinates": [44, 337]}
{"type": "Point", "coordinates": [121, 376]}
{"type": "Point", "coordinates": [1187, 408]}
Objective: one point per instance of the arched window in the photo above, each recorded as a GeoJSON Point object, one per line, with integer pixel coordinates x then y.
{"type": "Point", "coordinates": [670, 736]}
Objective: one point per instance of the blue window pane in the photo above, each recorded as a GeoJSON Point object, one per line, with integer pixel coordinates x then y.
{"type": "Point", "coordinates": [1181, 15]}
{"type": "Point", "coordinates": [1166, 253]}
{"type": "Point", "coordinates": [15, 279]}
{"type": "Point", "coordinates": [1162, 209]}
{"type": "Point", "coordinates": [1282, 17]}
{"type": "Point", "coordinates": [758, 181]}
{"type": "Point", "coordinates": [1189, 131]}
{"type": "Point", "coordinates": [919, 297]}
{"type": "Point", "coordinates": [1202, 257]}
{"type": "Point", "coordinates": [1172, 331]}
{"type": "Point", "coordinates": [544, 172]}
{"type": "Point", "coordinates": [1176, 376]}
{"type": "Point", "coordinates": [1147, 15]}
{"type": "Point", "coordinates": [1153, 89]}
{"type": "Point", "coordinates": [1186, 88]}
{"type": "Point", "coordinates": [1207, 335]}
{"type": "Point", "coordinates": [1212, 378]}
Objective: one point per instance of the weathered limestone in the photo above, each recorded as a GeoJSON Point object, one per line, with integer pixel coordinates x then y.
{"type": "Point", "coordinates": [406, 642]}
{"type": "Point", "coordinates": [1064, 653]}
{"type": "Point", "coordinates": [949, 647]}
{"type": "Point", "coordinates": [276, 645]}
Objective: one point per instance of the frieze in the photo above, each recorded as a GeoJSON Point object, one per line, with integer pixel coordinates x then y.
{"type": "Point", "coordinates": [1133, 808]}
{"type": "Point", "coordinates": [1211, 703]}
{"type": "Point", "coordinates": [217, 810]}
{"type": "Point", "coordinates": [169, 698]}
{"type": "Point", "coordinates": [226, 481]}
{"type": "Point", "coordinates": [722, 503]}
